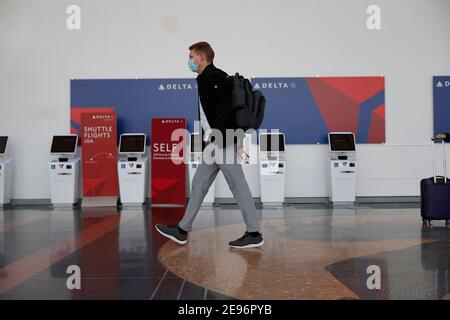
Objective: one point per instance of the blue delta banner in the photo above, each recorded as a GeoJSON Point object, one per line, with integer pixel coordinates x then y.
{"type": "Point", "coordinates": [136, 101]}
{"type": "Point", "coordinates": [304, 109]}
{"type": "Point", "coordinates": [441, 104]}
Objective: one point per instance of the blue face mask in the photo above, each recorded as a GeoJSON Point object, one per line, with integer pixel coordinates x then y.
{"type": "Point", "coordinates": [192, 65]}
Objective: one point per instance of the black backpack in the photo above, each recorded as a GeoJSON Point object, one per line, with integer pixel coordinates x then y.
{"type": "Point", "coordinates": [248, 104]}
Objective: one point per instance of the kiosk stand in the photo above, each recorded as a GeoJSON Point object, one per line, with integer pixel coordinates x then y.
{"type": "Point", "coordinates": [133, 168]}
{"type": "Point", "coordinates": [342, 189]}
{"type": "Point", "coordinates": [64, 171]}
{"type": "Point", "coordinates": [6, 167]}
{"type": "Point", "coordinates": [272, 168]}
{"type": "Point", "coordinates": [195, 158]}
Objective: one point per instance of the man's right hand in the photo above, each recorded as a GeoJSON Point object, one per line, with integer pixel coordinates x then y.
{"type": "Point", "coordinates": [243, 155]}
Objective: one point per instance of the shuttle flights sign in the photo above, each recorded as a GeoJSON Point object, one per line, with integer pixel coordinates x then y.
{"type": "Point", "coordinates": [99, 148]}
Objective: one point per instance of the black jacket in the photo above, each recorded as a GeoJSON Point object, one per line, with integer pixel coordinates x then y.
{"type": "Point", "coordinates": [214, 91]}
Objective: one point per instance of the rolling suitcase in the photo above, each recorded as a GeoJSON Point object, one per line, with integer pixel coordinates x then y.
{"type": "Point", "coordinates": [435, 193]}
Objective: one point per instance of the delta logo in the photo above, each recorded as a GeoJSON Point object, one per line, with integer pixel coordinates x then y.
{"type": "Point", "coordinates": [102, 116]}
{"type": "Point", "coordinates": [171, 121]}
{"type": "Point", "coordinates": [274, 85]}
{"type": "Point", "coordinates": [442, 84]}
{"type": "Point", "coordinates": [176, 86]}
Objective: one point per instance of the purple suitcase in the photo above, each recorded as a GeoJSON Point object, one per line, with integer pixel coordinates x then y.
{"type": "Point", "coordinates": [435, 193]}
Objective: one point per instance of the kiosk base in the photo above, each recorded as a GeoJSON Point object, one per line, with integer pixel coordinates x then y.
{"type": "Point", "coordinates": [272, 204]}
{"type": "Point", "coordinates": [99, 202]}
{"type": "Point", "coordinates": [66, 205]}
{"type": "Point", "coordinates": [5, 180]}
{"type": "Point", "coordinates": [132, 181]}
{"type": "Point", "coordinates": [130, 205]}
{"type": "Point", "coordinates": [64, 180]}
{"type": "Point", "coordinates": [342, 204]}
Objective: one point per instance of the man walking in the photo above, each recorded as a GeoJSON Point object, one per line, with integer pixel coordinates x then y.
{"type": "Point", "coordinates": [216, 116]}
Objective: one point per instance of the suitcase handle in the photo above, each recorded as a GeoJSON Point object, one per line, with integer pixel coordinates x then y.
{"type": "Point", "coordinates": [434, 159]}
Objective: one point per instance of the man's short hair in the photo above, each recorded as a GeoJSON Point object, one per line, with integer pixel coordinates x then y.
{"type": "Point", "coordinates": [204, 48]}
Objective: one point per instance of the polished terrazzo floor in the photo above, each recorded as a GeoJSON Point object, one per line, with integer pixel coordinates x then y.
{"type": "Point", "coordinates": [310, 252]}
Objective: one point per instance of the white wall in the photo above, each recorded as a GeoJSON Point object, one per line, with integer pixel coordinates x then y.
{"type": "Point", "coordinates": [149, 39]}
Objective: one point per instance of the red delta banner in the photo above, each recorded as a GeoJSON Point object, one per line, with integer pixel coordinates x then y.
{"type": "Point", "coordinates": [99, 151]}
{"type": "Point", "coordinates": [168, 170]}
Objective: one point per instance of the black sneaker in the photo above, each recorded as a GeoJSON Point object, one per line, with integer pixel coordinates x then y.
{"type": "Point", "coordinates": [247, 241]}
{"type": "Point", "coordinates": [173, 233]}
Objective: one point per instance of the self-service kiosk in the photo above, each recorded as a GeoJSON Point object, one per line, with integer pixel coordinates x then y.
{"type": "Point", "coordinates": [133, 168]}
{"type": "Point", "coordinates": [343, 167]}
{"type": "Point", "coordinates": [272, 168]}
{"type": "Point", "coordinates": [64, 170]}
{"type": "Point", "coordinates": [6, 167]}
{"type": "Point", "coordinates": [195, 158]}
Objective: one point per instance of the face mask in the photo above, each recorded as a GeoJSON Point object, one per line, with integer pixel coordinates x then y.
{"type": "Point", "coordinates": [192, 65]}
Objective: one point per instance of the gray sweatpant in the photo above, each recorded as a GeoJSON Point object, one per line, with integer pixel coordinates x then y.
{"type": "Point", "coordinates": [225, 160]}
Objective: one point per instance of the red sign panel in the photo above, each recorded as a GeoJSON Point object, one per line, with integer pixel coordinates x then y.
{"type": "Point", "coordinates": [168, 170]}
{"type": "Point", "coordinates": [99, 148]}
